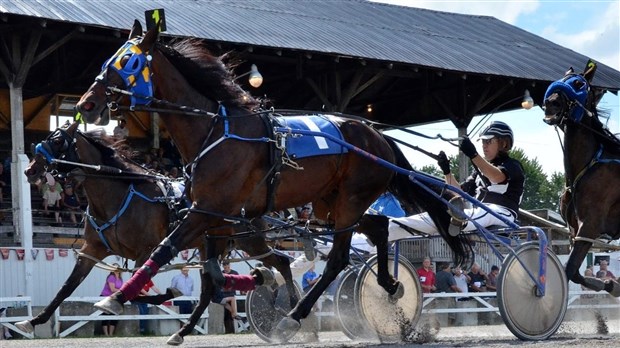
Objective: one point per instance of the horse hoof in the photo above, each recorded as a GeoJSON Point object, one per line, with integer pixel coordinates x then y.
{"type": "Point", "coordinates": [615, 290]}
{"type": "Point", "coordinates": [264, 276]}
{"type": "Point", "coordinates": [175, 340]}
{"type": "Point", "coordinates": [174, 292]}
{"type": "Point", "coordinates": [594, 283]}
{"type": "Point", "coordinates": [287, 327]}
{"type": "Point", "coordinates": [110, 306]}
{"type": "Point", "coordinates": [399, 293]}
{"type": "Point", "coordinates": [25, 326]}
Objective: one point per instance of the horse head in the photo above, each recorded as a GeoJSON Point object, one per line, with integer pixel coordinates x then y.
{"type": "Point", "coordinates": [571, 97]}
{"type": "Point", "coordinates": [127, 72]}
{"type": "Point", "coordinates": [60, 144]}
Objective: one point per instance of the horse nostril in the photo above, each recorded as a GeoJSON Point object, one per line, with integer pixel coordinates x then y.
{"type": "Point", "coordinates": [87, 106]}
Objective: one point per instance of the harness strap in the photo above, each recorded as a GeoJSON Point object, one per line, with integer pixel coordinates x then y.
{"type": "Point", "coordinates": [131, 192]}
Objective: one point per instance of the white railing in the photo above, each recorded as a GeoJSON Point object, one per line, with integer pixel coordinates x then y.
{"type": "Point", "coordinates": [16, 302]}
{"type": "Point", "coordinates": [96, 315]}
{"type": "Point", "coordinates": [483, 297]}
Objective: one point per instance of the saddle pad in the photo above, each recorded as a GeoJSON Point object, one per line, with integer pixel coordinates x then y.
{"type": "Point", "coordinates": [306, 145]}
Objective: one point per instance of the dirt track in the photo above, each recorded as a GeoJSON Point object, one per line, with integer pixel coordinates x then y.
{"type": "Point", "coordinates": [583, 335]}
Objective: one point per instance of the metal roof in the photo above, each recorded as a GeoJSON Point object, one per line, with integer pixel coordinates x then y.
{"type": "Point", "coordinates": [351, 28]}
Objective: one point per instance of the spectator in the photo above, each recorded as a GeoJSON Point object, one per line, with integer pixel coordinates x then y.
{"type": "Point", "coordinates": [478, 279]}
{"type": "Point", "coordinates": [174, 173]}
{"type": "Point", "coordinates": [445, 280]}
{"type": "Point", "coordinates": [185, 284]}
{"type": "Point", "coordinates": [605, 273]}
{"type": "Point", "coordinates": [229, 293]}
{"type": "Point", "coordinates": [143, 308]}
{"type": "Point", "coordinates": [5, 333]}
{"type": "Point", "coordinates": [113, 283]}
{"type": "Point", "coordinates": [71, 203]}
{"type": "Point", "coordinates": [427, 276]}
{"type": "Point", "coordinates": [309, 279]}
{"type": "Point", "coordinates": [52, 199]}
{"type": "Point", "coordinates": [461, 280]}
{"type": "Point", "coordinates": [492, 279]}
{"type": "Point", "coordinates": [120, 131]}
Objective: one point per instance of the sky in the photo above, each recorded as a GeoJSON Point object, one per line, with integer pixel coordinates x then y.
{"type": "Point", "coordinates": [591, 28]}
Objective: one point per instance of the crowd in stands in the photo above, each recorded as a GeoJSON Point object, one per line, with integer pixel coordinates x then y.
{"type": "Point", "coordinates": [455, 280]}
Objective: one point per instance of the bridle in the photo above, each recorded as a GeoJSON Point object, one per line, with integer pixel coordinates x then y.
{"type": "Point", "coordinates": [133, 65]}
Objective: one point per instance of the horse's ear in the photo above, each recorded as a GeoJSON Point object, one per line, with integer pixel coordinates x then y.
{"type": "Point", "coordinates": [589, 71]}
{"type": "Point", "coordinates": [136, 30]}
{"type": "Point", "coordinates": [569, 71]}
{"type": "Point", "coordinates": [149, 39]}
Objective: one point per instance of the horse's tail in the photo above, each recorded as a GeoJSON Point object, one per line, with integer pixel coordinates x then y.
{"type": "Point", "coordinates": [417, 199]}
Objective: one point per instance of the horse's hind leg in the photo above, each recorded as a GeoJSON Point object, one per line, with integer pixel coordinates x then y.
{"type": "Point", "coordinates": [82, 268]}
{"type": "Point", "coordinates": [575, 260]}
{"type": "Point", "coordinates": [375, 227]}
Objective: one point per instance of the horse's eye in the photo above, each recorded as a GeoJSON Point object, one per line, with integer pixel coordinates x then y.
{"type": "Point", "coordinates": [124, 60]}
{"type": "Point", "coordinates": [577, 84]}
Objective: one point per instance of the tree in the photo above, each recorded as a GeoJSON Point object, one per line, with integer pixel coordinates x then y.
{"type": "Point", "coordinates": [539, 192]}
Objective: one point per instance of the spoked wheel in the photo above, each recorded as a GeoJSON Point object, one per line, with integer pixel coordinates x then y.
{"type": "Point", "coordinates": [265, 307]}
{"type": "Point", "coordinates": [389, 318]}
{"type": "Point", "coordinates": [528, 316]}
{"type": "Point", "coordinates": [344, 302]}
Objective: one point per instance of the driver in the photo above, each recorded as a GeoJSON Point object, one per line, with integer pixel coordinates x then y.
{"type": "Point", "coordinates": [498, 183]}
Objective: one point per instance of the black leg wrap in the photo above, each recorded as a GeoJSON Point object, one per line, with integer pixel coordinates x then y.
{"type": "Point", "coordinates": [212, 267]}
{"type": "Point", "coordinates": [160, 255]}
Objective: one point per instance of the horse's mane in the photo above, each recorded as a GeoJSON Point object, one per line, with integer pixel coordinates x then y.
{"type": "Point", "coordinates": [207, 73]}
{"type": "Point", "coordinates": [603, 134]}
{"type": "Point", "coordinates": [114, 153]}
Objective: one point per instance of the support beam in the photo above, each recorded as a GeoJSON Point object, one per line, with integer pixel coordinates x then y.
{"type": "Point", "coordinates": [55, 46]}
{"type": "Point", "coordinates": [28, 57]}
{"type": "Point", "coordinates": [348, 95]}
{"type": "Point", "coordinates": [319, 93]}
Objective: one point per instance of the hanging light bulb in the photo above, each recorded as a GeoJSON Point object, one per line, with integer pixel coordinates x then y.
{"type": "Point", "coordinates": [527, 102]}
{"type": "Point", "coordinates": [369, 108]}
{"type": "Point", "coordinates": [255, 79]}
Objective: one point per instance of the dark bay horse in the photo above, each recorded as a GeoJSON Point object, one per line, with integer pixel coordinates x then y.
{"type": "Point", "coordinates": [137, 229]}
{"type": "Point", "coordinates": [230, 146]}
{"type": "Point", "coordinates": [591, 202]}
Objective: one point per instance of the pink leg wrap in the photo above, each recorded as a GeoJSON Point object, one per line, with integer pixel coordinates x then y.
{"type": "Point", "coordinates": [131, 289]}
{"type": "Point", "coordinates": [240, 282]}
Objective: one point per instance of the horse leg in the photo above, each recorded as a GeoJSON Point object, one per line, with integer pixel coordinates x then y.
{"type": "Point", "coordinates": [574, 262]}
{"type": "Point", "coordinates": [207, 283]}
{"type": "Point", "coordinates": [190, 228]}
{"type": "Point", "coordinates": [206, 291]}
{"type": "Point", "coordinates": [337, 261]}
{"type": "Point", "coordinates": [375, 227]}
{"type": "Point", "coordinates": [82, 268]}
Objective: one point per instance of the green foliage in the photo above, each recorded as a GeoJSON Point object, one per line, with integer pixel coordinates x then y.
{"type": "Point", "coordinates": [540, 192]}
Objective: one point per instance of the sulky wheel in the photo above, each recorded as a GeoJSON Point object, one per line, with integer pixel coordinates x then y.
{"type": "Point", "coordinates": [265, 307]}
{"type": "Point", "coordinates": [344, 302]}
{"type": "Point", "coordinates": [528, 316]}
{"type": "Point", "coordinates": [384, 316]}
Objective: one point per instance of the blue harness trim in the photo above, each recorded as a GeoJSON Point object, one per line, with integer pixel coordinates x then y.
{"type": "Point", "coordinates": [132, 192]}
{"type": "Point", "coordinates": [222, 112]}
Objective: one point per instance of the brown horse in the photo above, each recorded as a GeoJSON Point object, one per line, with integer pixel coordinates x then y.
{"type": "Point", "coordinates": [136, 229]}
{"type": "Point", "coordinates": [230, 149]}
{"type": "Point", "coordinates": [591, 203]}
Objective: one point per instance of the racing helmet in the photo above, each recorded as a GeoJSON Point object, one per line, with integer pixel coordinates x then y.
{"type": "Point", "coordinates": [497, 129]}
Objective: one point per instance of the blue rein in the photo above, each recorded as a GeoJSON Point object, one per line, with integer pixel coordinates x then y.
{"type": "Point", "coordinates": [130, 194]}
